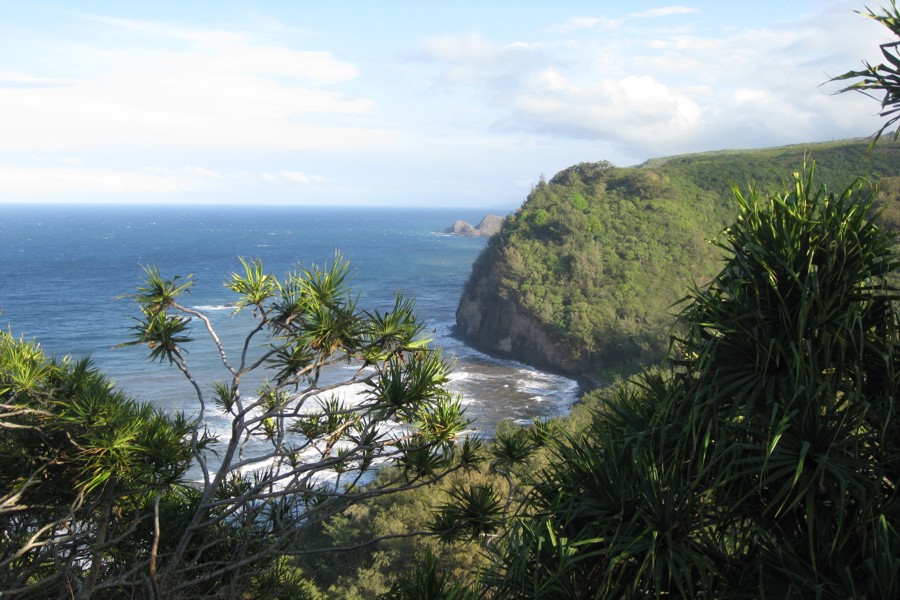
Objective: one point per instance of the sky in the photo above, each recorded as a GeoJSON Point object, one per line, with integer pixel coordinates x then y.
{"type": "Point", "coordinates": [425, 103]}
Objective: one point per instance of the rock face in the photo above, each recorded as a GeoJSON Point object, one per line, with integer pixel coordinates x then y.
{"type": "Point", "coordinates": [584, 278]}
{"type": "Point", "coordinates": [492, 323]}
{"type": "Point", "coordinates": [489, 225]}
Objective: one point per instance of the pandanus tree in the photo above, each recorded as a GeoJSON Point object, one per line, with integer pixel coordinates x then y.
{"type": "Point", "coordinates": [317, 395]}
{"type": "Point", "coordinates": [884, 78]}
{"type": "Point", "coordinates": [763, 461]}
{"type": "Point", "coordinates": [83, 472]}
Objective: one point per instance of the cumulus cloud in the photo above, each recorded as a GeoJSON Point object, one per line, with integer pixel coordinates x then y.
{"type": "Point", "coordinates": [633, 110]}
{"type": "Point", "coordinates": [232, 111]}
{"type": "Point", "coordinates": [657, 90]}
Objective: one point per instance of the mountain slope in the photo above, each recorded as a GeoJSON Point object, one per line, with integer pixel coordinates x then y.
{"type": "Point", "coordinates": [582, 279]}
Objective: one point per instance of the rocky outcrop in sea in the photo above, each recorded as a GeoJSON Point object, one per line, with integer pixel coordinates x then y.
{"type": "Point", "coordinates": [489, 225]}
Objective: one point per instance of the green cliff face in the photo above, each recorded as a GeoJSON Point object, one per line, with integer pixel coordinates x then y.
{"type": "Point", "coordinates": [584, 278]}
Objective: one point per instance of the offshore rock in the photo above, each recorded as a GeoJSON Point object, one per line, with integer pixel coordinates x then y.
{"type": "Point", "coordinates": [489, 225]}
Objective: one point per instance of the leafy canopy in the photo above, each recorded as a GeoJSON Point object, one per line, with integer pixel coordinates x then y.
{"type": "Point", "coordinates": [764, 460]}
{"type": "Point", "coordinates": [103, 496]}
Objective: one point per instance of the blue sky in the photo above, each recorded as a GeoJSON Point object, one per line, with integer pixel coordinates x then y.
{"type": "Point", "coordinates": [462, 103]}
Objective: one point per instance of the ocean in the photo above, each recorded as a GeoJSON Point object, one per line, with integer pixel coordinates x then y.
{"type": "Point", "coordinates": [65, 269]}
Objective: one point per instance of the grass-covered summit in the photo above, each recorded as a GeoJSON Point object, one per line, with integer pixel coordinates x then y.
{"type": "Point", "coordinates": [583, 277]}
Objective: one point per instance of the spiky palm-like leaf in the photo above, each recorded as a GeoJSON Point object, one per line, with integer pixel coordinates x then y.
{"type": "Point", "coordinates": [254, 285]}
{"type": "Point", "coordinates": [764, 462]}
{"type": "Point", "coordinates": [470, 513]}
{"type": "Point", "coordinates": [293, 453]}
{"type": "Point", "coordinates": [883, 78]}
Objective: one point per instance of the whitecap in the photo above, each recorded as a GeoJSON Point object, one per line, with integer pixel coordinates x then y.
{"type": "Point", "coordinates": [213, 307]}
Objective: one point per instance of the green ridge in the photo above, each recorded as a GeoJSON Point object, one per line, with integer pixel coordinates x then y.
{"type": "Point", "coordinates": [600, 255]}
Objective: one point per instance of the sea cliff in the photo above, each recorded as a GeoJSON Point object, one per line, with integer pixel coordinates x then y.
{"type": "Point", "coordinates": [497, 324]}
{"type": "Point", "coordinates": [585, 278]}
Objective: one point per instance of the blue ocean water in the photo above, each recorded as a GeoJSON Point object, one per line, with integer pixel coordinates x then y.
{"type": "Point", "coordinates": [64, 270]}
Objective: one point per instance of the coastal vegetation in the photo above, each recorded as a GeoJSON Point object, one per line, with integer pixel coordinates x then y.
{"type": "Point", "coordinates": [759, 458]}
{"type": "Point", "coordinates": [104, 497]}
{"type": "Point", "coordinates": [598, 257]}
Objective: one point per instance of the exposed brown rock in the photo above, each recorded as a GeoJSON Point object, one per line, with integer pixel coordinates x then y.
{"type": "Point", "coordinates": [489, 225]}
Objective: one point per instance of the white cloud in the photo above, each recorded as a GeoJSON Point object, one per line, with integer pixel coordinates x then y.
{"type": "Point", "coordinates": [552, 81]}
{"type": "Point", "coordinates": [665, 11]}
{"type": "Point", "coordinates": [635, 109]}
{"type": "Point", "coordinates": [311, 111]}
{"type": "Point", "coordinates": [15, 80]}
{"type": "Point", "coordinates": [658, 91]}
{"type": "Point", "coordinates": [201, 171]}
{"type": "Point", "coordinates": [243, 54]}
{"type": "Point", "coordinates": [461, 49]}
{"type": "Point", "coordinates": [577, 23]}
{"type": "Point", "coordinates": [213, 89]}
{"type": "Point", "coordinates": [99, 184]}
{"type": "Point", "coordinates": [606, 23]}
{"type": "Point", "coordinates": [66, 182]}
{"type": "Point", "coordinates": [297, 177]}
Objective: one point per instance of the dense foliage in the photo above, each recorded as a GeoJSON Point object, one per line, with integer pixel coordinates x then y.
{"type": "Point", "coordinates": [84, 474]}
{"type": "Point", "coordinates": [763, 460]}
{"type": "Point", "coordinates": [600, 254]}
{"type": "Point", "coordinates": [102, 497]}
{"type": "Point", "coordinates": [422, 553]}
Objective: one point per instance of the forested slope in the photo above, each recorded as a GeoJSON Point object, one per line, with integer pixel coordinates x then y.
{"type": "Point", "coordinates": [583, 277]}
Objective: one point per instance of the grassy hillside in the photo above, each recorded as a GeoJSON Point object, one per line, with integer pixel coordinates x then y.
{"type": "Point", "coordinates": [838, 163]}
{"type": "Point", "coordinates": [599, 254]}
